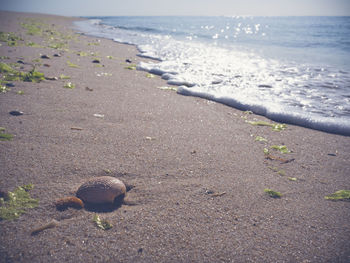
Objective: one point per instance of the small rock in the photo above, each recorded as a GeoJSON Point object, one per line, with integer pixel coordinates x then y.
{"type": "Point", "coordinates": [45, 56]}
{"type": "Point", "coordinates": [46, 65]}
{"type": "Point", "coordinates": [209, 192]}
{"type": "Point", "coordinates": [96, 61]}
{"type": "Point", "coordinates": [88, 89]}
{"type": "Point", "coordinates": [10, 85]}
{"type": "Point", "coordinates": [20, 61]}
{"type": "Point", "coordinates": [51, 78]}
{"type": "Point", "coordinates": [99, 115]}
{"type": "Point", "coordinates": [128, 61]}
{"type": "Point", "coordinates": [57, 55]}
{"type": "Point", "coordinates": [16, 113]}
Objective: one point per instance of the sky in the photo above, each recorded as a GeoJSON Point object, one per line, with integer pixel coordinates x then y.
{"type": "Point", "coordinates": [180, 7]}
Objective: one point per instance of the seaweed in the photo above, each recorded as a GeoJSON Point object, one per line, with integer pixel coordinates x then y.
{"type": "Point", "coordinates": [5, 68]}
{"type": "Point", "coordinates": [150, 76]}
{"type": "Point", "coordinates": [10, 38]}
{"type": "Point", "coordinates": [279, 127]}
{"type": "Point", "coordinates": [33, 27]}
{"type": "Point", "coordinates": [281, 148]}
{"type": "Point", "coordinates": [292, 179]}
{"type": "Point", "coordinates": [62, 76]}
{"type": "Point", "coordinates": [82, 54]}
{"type": "Point", "coordinates": [32, 76]}
{"type": "Point", "coordinates": [266, 151]}
{"type": "Point", "coordinates": [277, 170]}
{"type": "Point", "coordinates": [274, 126]}
{"type": "Point", "coordinates": [69, 85]}
{"type": "Point", "coordinates": [4, 89]}
{"type": "Point", "coordinates": [5, 136]}
{"type": "Point", "coordinates": [94, 44]}
{"type": "Point", "coordinates": [32, 44]}
{"type": "Point", "coordinates": [131, 67]}
{"type": "Point", "coordinates": [260, 139]}
{"type": "Point", "coordinates": [17, 202]}
{"type": "Point", "coordinates": [54, 38]}
{"type": "Point", "coordinates": [58, 45]}
{"type": "Point", "coordinates": [273, 193]}
{"type": "Point", "coordinates": [72, 65]}
{"type": "Point", "coordinates": [341, 195]}
{"type": "Point", "coordinates": [103, 224]}
{"type": "Point", "coordinates": [36, 60]}
{"type": "Point", "coordinates": [14, 75]}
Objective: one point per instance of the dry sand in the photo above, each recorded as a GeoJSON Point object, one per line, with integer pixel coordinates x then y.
{"type": "Point", "coordinates": [199, 174]}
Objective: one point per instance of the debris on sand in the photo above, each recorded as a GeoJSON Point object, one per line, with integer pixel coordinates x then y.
{"type": "Point", "coordinates": [273, 193]}
{"type": "Point", "coordinates": [103, 224]}
{"type": "Point", "coordinates": [53, 223]}
{"type": "Point", "coordinates": [341, 195]}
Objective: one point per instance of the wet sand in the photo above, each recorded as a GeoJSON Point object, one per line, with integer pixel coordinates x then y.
{"type": "Point", "coordinates": [198, 171]}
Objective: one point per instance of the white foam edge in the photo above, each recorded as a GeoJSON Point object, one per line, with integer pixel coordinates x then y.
{"type": "Point", "coordinates": [334, 126]}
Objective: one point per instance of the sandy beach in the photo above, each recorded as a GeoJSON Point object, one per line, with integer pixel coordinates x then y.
{"type": "Point", "coordinates": [199, 168]}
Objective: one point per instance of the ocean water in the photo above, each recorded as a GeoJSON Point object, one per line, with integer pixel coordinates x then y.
{"type": "Point", "coordinates": [290, 69]}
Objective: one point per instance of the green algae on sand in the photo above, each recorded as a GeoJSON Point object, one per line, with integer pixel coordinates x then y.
{"type": "Point", "coordinates": [260, 139]}
{"type": "Point", "coordinates": [103, 224]}
{"type": "Point", "coordinates": [274, 126]}
{"type": "Point", "coordinates": [16, 203]}
{"type": "Point", "coordinates": [273, 193]}
{"type": "Point", "coordinates": [10, 38]}
{"type": "Point", "coordinates": [5, 136]}
{"type": "Point", "coordinates": [72, 65]}
{"type": "Point", "coordinates": [280, 148]}
{"type": "Point", "coordinates": [69, 85]}
{"type": "Point", "coordinates": [341, 195]}
{"type": "Point", "coordinates": [10, 74]}
{"type": "Point", "coordinates": [4, 89]}
{"type": "Point", "coordinates": [131, 67]}
{"type": "Point", "coordinates": [62, 76]}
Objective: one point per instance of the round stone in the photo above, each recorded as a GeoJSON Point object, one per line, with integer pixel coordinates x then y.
{"type": "Point", "coordinates": [99, 190]}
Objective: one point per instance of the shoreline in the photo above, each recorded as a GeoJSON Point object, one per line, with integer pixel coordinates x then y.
{"type": "Point", "coordinates": [279, 113]}
{"type": "Point", "coordinates": [198, 167]}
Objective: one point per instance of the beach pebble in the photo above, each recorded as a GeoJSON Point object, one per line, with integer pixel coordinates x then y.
{"type": "Point", "coordinates": [51, 78]}
{"type": "Point", "coordinates": [57, 55]}
{"type": "Point", "coordinates": [16, 113]}
{"type": "Point", "coordinates": [96, 61]}
{"type": "Point", "coordinates": [45, 56]}
{"type": "Point", "coordinates": [99, 115]}
{"type": "Point", "coordinates": [128, 61]}
{"type": "Point", "coordinates": [99, 190]}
